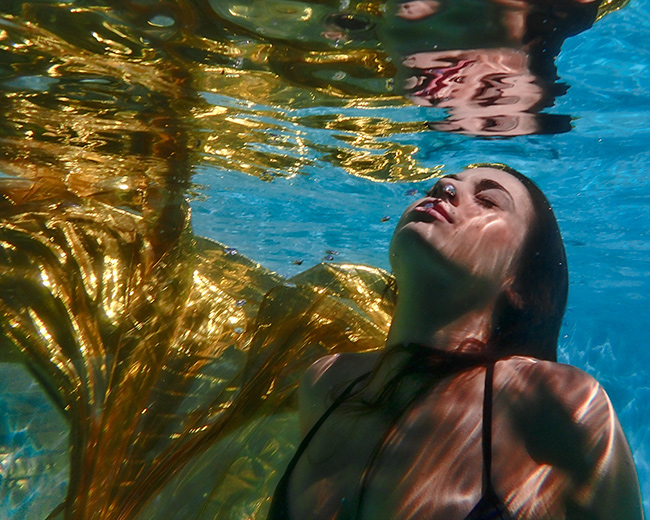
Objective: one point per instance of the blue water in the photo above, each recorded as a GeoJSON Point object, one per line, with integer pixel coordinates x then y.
{"type": "Point", "coordinates": [595, 177]}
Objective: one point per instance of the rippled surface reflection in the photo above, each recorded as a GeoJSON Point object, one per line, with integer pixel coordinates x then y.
{"type": "Point", "coordinates": [91, 82]}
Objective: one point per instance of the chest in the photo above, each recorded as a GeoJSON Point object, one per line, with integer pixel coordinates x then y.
{"type": "Point", "coordinates": [423, 462]}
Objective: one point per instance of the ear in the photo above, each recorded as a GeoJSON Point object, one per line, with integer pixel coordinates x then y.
{"type": "Point", "coordinates": [514, 297]}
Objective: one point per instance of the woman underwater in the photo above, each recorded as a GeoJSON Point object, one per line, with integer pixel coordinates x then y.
{"type": "Point", "coordinates": [466, 414]}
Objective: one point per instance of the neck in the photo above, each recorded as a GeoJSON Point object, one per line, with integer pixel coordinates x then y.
{"type": "Point", "coordinates": [425, 317]}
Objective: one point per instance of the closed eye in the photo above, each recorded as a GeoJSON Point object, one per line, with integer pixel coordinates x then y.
{"type": "Point", "coordinates": [491, 194]}
{"type": "Point", "coordinates": [486, 201]}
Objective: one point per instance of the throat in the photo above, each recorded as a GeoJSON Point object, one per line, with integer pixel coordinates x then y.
{"type": "Point", "coordinates": [440, 328]}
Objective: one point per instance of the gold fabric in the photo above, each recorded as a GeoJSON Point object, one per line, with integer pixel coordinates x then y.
{"type": "Point", "coordinates": [175, 367]}
{"type": "Point", "coordinates": [609, 6]}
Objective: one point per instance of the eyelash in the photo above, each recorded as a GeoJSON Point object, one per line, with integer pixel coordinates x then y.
{"type": "Point", "coordinates": [485, 201]}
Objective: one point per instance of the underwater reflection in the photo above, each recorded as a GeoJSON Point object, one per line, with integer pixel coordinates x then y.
{"type": "Point", "coordinates": [489, 64]}
{"type": "Point", "coordinates": [487, 92]}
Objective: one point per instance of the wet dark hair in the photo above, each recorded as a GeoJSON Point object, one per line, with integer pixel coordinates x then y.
{"type": "Point", "coordinates": [541, 281]}
{"type": "Point", "coordinates": [529, 327]}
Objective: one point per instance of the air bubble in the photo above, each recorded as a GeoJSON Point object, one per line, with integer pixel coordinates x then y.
{"type": "Point", "coordinates": [161, 20]}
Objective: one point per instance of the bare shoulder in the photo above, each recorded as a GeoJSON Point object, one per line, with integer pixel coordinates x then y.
{"type": "Point", "coordinates": [326, 379]}
{"type": "Point", "coordinates": [556, 407]}
{"type": "Point", "coordinates": [567, 421]}
{"type": "Point", "coordinates": [534, 379]}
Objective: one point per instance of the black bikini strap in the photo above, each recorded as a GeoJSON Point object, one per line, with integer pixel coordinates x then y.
{"type": "Point", "coordinates": [310, 435]}
{"type": "Point", "coordinates": [279, 504]}
{"type": "Point", "coordinates": [487, 428]}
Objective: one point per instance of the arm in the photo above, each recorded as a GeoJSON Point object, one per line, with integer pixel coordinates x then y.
{"type": "Point", "coordinates": [613, 487]}
{"type": "Point", "coordinates": [325, 380]}
{"type": "Point", "coordinates": [568, 422]}
{"type": "Point", "coordinates": [312, 393]}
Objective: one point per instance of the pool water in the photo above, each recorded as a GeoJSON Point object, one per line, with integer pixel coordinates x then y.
{"type": "Point", "coordinates": [595, 177]}
{"type": "Point", "coordinates": [291, 175]}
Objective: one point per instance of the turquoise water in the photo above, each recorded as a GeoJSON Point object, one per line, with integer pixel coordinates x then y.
{"type": "Point", "coordinates": [596, 177]}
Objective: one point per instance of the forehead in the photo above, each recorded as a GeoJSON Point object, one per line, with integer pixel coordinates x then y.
{"type": "Point", "coordinates": [491, 173]}
{"type": "Point", "coordinates": [509, 182]}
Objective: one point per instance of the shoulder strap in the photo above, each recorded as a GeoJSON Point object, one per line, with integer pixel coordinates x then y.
{"type": "Point", "coordinates": [490, 506]}
{"type": "Point", "coordinates": [337, 402]}
{"type": "Point", "coordinates": [279, 509]}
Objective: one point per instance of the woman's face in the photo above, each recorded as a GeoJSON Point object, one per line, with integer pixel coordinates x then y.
{"type": "Point", "coordinates": [476, 220]}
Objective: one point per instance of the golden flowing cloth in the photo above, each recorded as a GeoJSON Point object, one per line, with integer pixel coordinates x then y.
{"type": "Point", "coordinates": [175, 362]}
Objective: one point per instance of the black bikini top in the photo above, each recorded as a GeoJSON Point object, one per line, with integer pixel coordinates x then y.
{"type": "Point", "coordinates": [489, 507]}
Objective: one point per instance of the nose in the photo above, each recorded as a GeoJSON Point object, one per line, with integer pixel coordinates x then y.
{"type": "Point", "coordinates": [446, 189]}
{"type": "Point", "coordinates": [450, 191]}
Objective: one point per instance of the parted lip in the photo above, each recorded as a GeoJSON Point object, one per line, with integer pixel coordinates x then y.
{"type": "Point", "coordinates": [433, 207]}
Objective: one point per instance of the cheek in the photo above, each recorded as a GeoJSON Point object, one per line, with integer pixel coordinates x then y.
{"type": "Point", "coordinates": [490, 251]}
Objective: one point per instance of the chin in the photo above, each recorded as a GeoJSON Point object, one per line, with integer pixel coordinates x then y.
{"type": "Point", "coordinates": [413, 249]}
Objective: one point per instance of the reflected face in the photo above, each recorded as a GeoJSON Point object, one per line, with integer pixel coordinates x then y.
{"type": "Point", "coordinates": [502, 125]}
{"type": "Point", "coordinates": [472, 79]}
{"type": "Point", "coordinates": [476, 220]}
{"type": "Point", "coordinates": [486, 91]}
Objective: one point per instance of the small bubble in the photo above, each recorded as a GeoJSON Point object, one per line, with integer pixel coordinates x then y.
{"type": "Point", "coordinates": [161, 20]}
{"type": "Point", "coordinates": [96, 81]}
{"type": "Point", "coordinates": [239, 330]}
{"type": "Point", "coordinates": [340, 75]}
{"type": "Point", "coordinates": [385, 219]}
{"type": "Point", "coordinates": [240, 303]}
{"type": "Point", "coordinates": [328, 257]}
{"type": "Point", "coordinates": [297, 262]}
{"type": "Point", "coordinates": [412, 191]}
{"type": "Point", "coordinates": [331, 252]}
{"type": "Point", "coordinates": [231, 251]}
